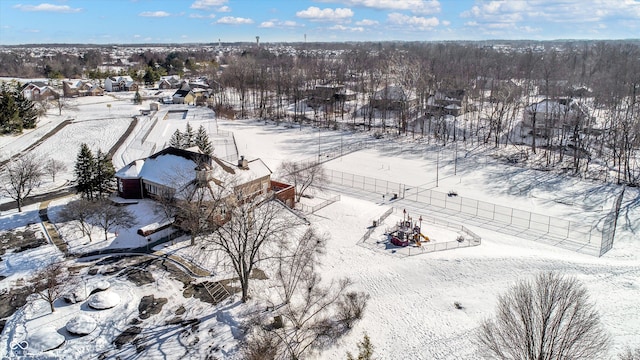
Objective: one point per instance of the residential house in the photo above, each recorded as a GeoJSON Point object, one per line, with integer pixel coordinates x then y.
{"type": "Point", "coordinates": [183, 96]}
{"type": "Point", "coordinates": [120, 83]}
{"type": "Point", "coordinates": [169, 82]}
{"type": "Point", "coordinates": [172, 171]}
{"type": "Point", "coordinates": [554, 114]}
{"type": "Point", "coordinates": [37, 90]}
{"type": "Point", "coordinates": [446, 102]}
{"type": "Point", "coordinates": [75, 88]}
{"type": "Point", "coordinates": [394, 97]}
{"type": "Point", "coordinates": [329, 93]}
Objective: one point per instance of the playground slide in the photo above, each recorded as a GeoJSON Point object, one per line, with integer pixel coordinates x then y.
{"type": "Point", "coordinates": [424, 237]}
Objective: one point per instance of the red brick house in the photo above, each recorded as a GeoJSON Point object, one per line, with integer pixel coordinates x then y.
{"type": "Point", "coordinates": [171, 170]}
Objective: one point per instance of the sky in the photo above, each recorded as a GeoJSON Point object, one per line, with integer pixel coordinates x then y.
{"type": "Point", "coordinates": [210, 21]}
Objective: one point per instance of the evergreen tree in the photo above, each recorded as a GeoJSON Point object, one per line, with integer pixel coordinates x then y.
{"type": "Point", "coordinates": [189, 137]}
{"type": "Point", "coordinates": [104, 173]}
{"type": "Point", "coordinates": [137, 99]}
{"type": "Point", "coordinates": [9, 113]}
{"type": "Point", "coordinates": [27, 111]}
{"type": "Point", "coordinates": [202, 141]}
{"type": "Point", "coordinates": [176, 139]}
{"type": "Point", "coordinates": [84, 171]}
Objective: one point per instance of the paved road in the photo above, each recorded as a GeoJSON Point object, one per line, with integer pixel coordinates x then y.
{"type": "Point", "coordinates": [40, 198]}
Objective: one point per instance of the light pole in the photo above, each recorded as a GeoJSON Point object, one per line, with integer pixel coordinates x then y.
{"type": "Point", "coordinates": [437, 164]}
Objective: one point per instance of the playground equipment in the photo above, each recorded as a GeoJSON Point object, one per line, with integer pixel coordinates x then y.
{"type": "Point", "coordinates": [406, 232]}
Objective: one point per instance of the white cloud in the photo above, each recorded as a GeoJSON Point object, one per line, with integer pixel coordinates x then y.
{"type": "Point", "coordinates": [415, 6]}
{"type": "Point", "coordinates": [446, 22]}
{"type": "Point", "coordinates": [48, 8]}
{"type": "Point", "coordinates": [199, 16]}
{"type": "Point", "coordinates": [367, 22]}
{"type": "Point", "coordinates": [275, 23]}
{"type": "Point", "coordinates": [503, 11]}
{"type": "Point", "coordinates": [416, 22]}
{"type": "Point", "coordinates": [136, 36]}
{"type": "Point", "coordinates": [207, 4]}
{"type": "Point", "coordinates": [230, 20]}
{"type": "Point", "coordinates": [316, 14]}
{"type": "Point", "coordinates": [154, 14]}
{"type": "Point", "coordinates": [223, 9]}
{"type": "Point", "coordinates": [346, 28]}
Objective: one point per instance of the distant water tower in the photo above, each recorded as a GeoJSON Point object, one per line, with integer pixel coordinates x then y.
{"type": "Point", "coordinates": [219, 43]}
{"type": "Point", "coordinates": [305, 37]}
{"type": "Point", "coordinates": [258, 41]}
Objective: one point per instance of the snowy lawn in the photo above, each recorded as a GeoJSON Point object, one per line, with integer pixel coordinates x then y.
{"type": "Point", "coordinates": [411, 312]}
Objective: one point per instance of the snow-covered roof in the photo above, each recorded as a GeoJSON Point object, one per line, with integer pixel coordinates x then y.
{"type": "Point", "coordinates": [255, 169]}
{"type": "Point", "coordinates": [169, 170]}
{"type": "Point", "coordinates": [176, 171]}
{"type": "Point", "coordinates": [548, 106]}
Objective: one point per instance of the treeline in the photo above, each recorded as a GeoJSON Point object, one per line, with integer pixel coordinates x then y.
{"type": "Point", "coordinates": [599, 81]}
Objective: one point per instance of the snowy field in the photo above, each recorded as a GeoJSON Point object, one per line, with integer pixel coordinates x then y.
{"type": "Point", "coordinates": [411, 313]}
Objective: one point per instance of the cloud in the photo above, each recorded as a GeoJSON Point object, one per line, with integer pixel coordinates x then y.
{"type": "Point", "coordinates": [416, 22]}
{"type": "Point", "coordinates": [224, 9]}
{"type": "Point", "coordinates": [48, 8]}
{"type": "Point", "coordinates": [154, 14]}
{"type": "Point", "coordinates": [199, 16]}
{"type": "Point", "coordinates": [316, 14]}
{"type": "Point", "coordinates": [275, 23]}
{"type": "Point", "coordinates": [230, 20]}
{"type": "Point", "coordinates": [415, 6]}
{"type": "Point", "coordinates": [567, 11]}
{"type": "Point", "coordinates": [367, 22]}
{"type": "Point", "coordinates": [346, 28]}
{"type": "Point", "coordinates": [207, 4]}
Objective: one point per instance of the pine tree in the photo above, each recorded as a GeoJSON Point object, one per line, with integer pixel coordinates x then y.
{"type": "Point", "coordinates": [365, 350]}
{"type": "Point", "coordinates": [83, 170]}
{"type": "Point", "coordinates": [202, 141]}
{"type": "Point", "coordinates": [28, 112]}
{"type": "Point", "coordinates": [189, 137]}
{"type": "Point", "coordinates": [9, 111]}
{"type": "Point", "coordinates": [176, 139]}
{"type": "Point", "coordinates": [103, 174]}
{"type": "Point", "coordinates": [137, 99]}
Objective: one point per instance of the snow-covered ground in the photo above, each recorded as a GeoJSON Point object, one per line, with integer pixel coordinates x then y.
{"type": "Point", "coordinates": [411, 312]}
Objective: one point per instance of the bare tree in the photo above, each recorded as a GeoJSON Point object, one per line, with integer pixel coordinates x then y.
{"type": "Point", "coordinates": [548, 318]}
{"type": "Point", "coordinates": [250, 224]}
{"type": "Point", "coordinates": [630, 354]}
{"type": "Point", "coordinates": [298, 260]}
{"type": "Point", "coordinates": [61, 103]}
{"type": "Point", "coordinates": [53, 167]}
{"type": "Point", "coordinates": [20, 176]}
{"type": "Point", "coordinates": [79, 214]}
{"type": "Point", "coordinates": [312, 321]}
{"type": "Point", "coordinates": [51, 282]}
{"type": "Point", "coordinates": [109, 216]}
{"type": "Point", "coordinates": [302, 176]}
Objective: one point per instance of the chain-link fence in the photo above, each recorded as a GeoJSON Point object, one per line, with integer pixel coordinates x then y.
{"type": "Point", "coordinates": [466, 239]}
{"type": "Point", "coordinates": [568, 234]}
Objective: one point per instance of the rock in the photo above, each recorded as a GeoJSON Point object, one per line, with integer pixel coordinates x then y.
{"type": "Point", "coordinates": [45, 339]}
{"type": "Point", "coordinates": [104, 300]}
{"type": "Point", "coordinates": [81, 325]}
